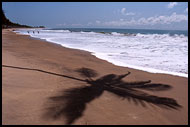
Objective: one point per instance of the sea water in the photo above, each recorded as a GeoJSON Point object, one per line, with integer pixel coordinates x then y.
{"type": "Point", "coordinates": [156, 51]}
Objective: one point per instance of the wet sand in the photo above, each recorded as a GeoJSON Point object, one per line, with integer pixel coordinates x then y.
{"type": "Point", "coordinates": [40, 86]}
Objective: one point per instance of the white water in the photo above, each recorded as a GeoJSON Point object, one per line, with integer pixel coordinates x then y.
{"type": "Point", "coordinates": [156, 53]}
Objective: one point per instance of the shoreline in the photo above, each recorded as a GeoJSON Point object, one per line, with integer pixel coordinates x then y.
{"type": "Point", "coordinates": [26, 93]}
{"type": "Point", "coordinates": [146, 69]}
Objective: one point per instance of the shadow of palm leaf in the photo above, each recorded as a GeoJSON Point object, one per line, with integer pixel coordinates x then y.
{"type": "Point", "coordinates": [71, 103]}
{"type": "Point", "coordinates": [87, 73]}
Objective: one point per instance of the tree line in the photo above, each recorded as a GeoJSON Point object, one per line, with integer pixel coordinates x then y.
{"type": "Point", "coordinates": [6, 23]}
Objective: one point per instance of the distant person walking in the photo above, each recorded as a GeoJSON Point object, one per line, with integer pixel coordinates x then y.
{"type": "Point", "coordinates": [38, 32]}
{"type": "Point", "coordinates": [33, 32]}
{"type": "Point", "coordinates": [28, 32]}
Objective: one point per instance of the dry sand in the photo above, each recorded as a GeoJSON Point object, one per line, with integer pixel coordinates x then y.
{"type": "Point", "coordinates": [26, 93]}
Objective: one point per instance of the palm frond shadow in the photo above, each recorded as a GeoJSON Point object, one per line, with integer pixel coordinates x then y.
{"type": "Point", "coordinates": [71, 103]}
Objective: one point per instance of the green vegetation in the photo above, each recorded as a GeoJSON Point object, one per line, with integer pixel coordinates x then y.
{"type": "Point", "coordinates": [6, 23]}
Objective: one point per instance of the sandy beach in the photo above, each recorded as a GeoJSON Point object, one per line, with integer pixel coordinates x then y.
{"type": "Point", "coordinates": [42, 84]}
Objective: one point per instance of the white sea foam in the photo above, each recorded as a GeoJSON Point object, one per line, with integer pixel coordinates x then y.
{"type": "Point", "coordinates": [156, 53]}
{"type": "Point", "coordinates": [115, 33]}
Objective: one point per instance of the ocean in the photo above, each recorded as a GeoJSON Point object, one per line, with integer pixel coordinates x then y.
{"type": "Point", "coordinates": [155, 51]}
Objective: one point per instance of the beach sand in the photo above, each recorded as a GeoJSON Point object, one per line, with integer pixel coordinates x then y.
{"type": "Point", "coordinates": [36, 97]}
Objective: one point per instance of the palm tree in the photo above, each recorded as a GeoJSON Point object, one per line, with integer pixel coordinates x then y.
{"type": "Point", "coordinates": [72, 102]}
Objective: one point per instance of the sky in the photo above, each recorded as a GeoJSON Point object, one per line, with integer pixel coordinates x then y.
{"type": "Point", "coordinates": [125, 15]}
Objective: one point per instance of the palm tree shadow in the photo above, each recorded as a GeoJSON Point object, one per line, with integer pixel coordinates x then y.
{"type": "Point", "coordinates": [71, 104]}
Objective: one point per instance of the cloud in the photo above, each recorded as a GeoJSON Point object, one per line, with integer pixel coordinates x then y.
{"type": "Point", "coordinates": [64, 24]}
{"type": "Point", "coordinates": [162, 19]}
{"type": "Point", "coordinates": [98, 22]}
{"type": "Point", "coordinates": [89, 23]}
{"type": "Point", "coordinates": [123, 12]}
{"type": "Point", "coordinates": [186, 10]}
{"type": "Point", "coordinates": [76, 24]}
{"type": "Point", "coordinates": [172, 4]}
